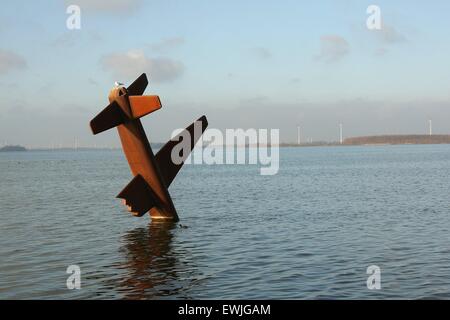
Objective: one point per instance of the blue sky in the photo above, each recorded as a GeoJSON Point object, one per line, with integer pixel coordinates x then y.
{"type": "Point", "coordinates": [262, 64]}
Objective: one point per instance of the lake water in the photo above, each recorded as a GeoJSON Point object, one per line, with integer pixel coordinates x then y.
{"type": "Point", "coordinates": [308, 232]}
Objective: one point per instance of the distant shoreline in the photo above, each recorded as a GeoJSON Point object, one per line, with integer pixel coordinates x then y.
{"type": "Point", "coordinates": [398, 139]}
{"type": "Point", "coordinates": [13, 149]}
{"type": "Point", "coordinates": [382, 140]}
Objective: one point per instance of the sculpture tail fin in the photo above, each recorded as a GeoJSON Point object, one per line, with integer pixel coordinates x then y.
{"type": "Point", "coordinates": [137, 88]}
{"type": "Point", "coordinates": [167, 167]}
{"type": "Point", "coordinates": [139, 197]}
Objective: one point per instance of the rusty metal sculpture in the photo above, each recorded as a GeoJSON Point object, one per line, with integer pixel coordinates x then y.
{"type": "Point", "coordinates": [148, 191]}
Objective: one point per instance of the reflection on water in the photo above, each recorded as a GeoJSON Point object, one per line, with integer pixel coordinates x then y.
{"type": "Point", "coordinates": [153, 267]}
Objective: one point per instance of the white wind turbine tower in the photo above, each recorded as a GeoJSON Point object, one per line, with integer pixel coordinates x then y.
{"type": "Point", "coordinates": [341, 137]}
{"type": "Point", "coordinates": [430, 125]}
{"type": "Point", "coordinates": [299, 139]}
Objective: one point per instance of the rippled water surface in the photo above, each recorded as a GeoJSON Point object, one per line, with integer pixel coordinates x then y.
{"type": "Point", "coordinates": [310, 231]}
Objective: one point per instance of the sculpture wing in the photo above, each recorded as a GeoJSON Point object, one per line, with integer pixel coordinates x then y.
{"type": "Point", "coordinates": [108, 118]}
{"type": "Point", "coordinates": [142, 105]}
{"type": "Point", "coordinates": [167, 167]}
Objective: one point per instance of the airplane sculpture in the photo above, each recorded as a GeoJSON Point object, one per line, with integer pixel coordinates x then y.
{"type": "Point", "coordinates": [148, 190]}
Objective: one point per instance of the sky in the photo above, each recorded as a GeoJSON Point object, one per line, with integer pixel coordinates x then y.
{"type": "Point", "coordinates": [244, 64]}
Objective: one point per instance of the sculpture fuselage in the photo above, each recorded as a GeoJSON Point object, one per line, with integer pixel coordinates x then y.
{"type": "Point", "coordinates": [140, 157]}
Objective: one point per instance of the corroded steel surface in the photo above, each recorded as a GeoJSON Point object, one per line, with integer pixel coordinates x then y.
{"type": "Point", "coordinates": [148, 190]}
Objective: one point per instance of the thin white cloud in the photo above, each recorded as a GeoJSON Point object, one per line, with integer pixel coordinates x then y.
{"type": "Point", "coordinates": [386, 37]}
{"type": "Point", "coordinates": [259, 99]}
{"type": "Point", "coordinates": [333, 48]}
{"type": "Point", "coordinates": [166, 44]}
{"type": "Point", "coordinates": [66, 39]}
{"type": "Point", "coordinates": [295, 80]}
{"type": "Point", "coordinates": [107, 6]}
{"type": "Point", "coordinates": [92, 81]}
{"type": "Point", "coordinates": [390, 35]}
{"type": "Point", "coordinates": [11, 61]}
{"type": "Point", "coordinates": [261, 53]}
{"type": "Point", "coordinates": [69, 39]}
{"type": "Point", "coordinates": [128, 65]}
{"type": "Point", "coordinates": [381, 51]}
